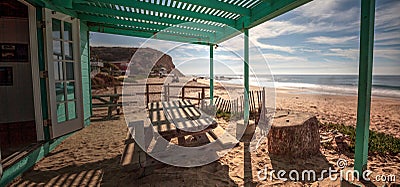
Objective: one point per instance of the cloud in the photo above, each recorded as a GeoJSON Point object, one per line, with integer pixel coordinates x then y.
{"type": "Point", "coordinates": [318, 9]}
{"type": "Point", "coordinates": [331, 40]}
{"type": "Point", "coordinates": [272, 29]}
{"type": "Point", "coordinates": [347, 53]}
{"type": "Point", "coordinates": [321, 36]}
{"type": "Point", "coordinates": [390, 54]}
{"type": "Point", "coordinates": [271, 57]}
{"type": "Point", "coordinates": [353, 54]}
{"type": "Point", "coordinates": [274, 47]}
{"type": "Point", "coordinates": [386, 16]}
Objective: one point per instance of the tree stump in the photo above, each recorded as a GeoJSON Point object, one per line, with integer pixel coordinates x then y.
{"type": "Point", "coordinates": [294, 135]}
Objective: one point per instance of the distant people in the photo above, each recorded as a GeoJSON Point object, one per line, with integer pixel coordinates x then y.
{"type": "Point", "coordinates": [175, 78]}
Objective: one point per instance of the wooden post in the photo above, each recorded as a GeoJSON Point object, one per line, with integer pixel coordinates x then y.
{"type": "Point", "coordinates": [199, 99]}
{"type": "Point", "coordinates": [165, 92]}
{"type": "Point", "coordinates": [263, 104]}
{"type": "Point", "coordinates": [364, 84]}
{"type": "Point", "coordinates": [183, 93]}
{"type": "Point", "coordinates": [237, 105]}
{"type": "Point", "coordinates": [211, 74]}
{"type": "Point", "coordinates": [168, 92]}
{"type": "Point", "coordinates": [246, 76]}
{"type": "Point", "coordinates": [203, 96]}
{"type": "Point", "coordinates": [109, 112]}
{"type": "Point", "coordinates": [147, 95]}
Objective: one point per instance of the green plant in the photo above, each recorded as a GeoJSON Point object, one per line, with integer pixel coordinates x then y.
{"type": "Point", "coordinates": [225, 115]}
{"type": "Point", "coordinates": [378, 142]}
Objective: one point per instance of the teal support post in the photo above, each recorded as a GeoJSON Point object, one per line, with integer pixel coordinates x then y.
{"type": "Point", "coordinates": [211, 75]}
{"type": "Point", "coordinates": [246, 76]}
{"type": "Point", "coordinates": [364, 84]}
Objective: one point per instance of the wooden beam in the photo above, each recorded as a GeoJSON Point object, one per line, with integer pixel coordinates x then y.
{"type": "Point", "coordinates": [268, 10]}
{"type": "Point", "coordinates": [114, 29]}
{"type": "Point", "coordinates": [259, 14]}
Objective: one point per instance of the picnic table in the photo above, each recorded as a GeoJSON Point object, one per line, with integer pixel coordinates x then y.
{"type": "Point", "coordinates": [170, 119]}
{"type": "Point", "coordinates": [179, 119]}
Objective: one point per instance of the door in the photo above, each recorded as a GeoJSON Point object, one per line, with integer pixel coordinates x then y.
{"type": "Point", "coordinates": [63, 66]}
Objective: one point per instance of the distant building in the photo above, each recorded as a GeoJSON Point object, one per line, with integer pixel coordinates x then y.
{"type": "Point", "coordinates": [163, 72]}
{"type": "Point", "coordinates": [95, 68]}
{"type": "Point", "coordinates": [122, 65]}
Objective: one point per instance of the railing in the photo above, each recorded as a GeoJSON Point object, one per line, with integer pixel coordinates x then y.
{"type": "Point", "coordinates": [201, 96]}
{"type": "Point", "coordinates": [233, 106]}
{"type": "Point", "coordinates": [111, 101]}
{"type": "Point", "coordinates": [236, 106]}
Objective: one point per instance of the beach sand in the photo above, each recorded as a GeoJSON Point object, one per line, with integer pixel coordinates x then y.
{"type": "Point", "coordinates": [91, 156]}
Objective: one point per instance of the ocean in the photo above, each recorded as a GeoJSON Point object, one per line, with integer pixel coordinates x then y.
{"type": "Point", "coordinates": [382, 85]}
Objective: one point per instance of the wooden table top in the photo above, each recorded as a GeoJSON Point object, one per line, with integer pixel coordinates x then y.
{"type": "Point", "coordinates": [179, 116]}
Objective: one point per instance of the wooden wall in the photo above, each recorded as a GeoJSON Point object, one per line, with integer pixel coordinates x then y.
{"type": "Point", "coordinates": [85, 65]}
{"type": "Point", "coordinates": [16, 101]}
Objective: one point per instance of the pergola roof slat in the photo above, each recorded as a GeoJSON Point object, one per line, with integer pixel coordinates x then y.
{"type": "Point", "coordinates": [101, 19]}
{"type": "Point", "coordinates": [168, 10]}
{"type": "Point", "coordinates": [115, 12]}
{"type": "Point", "coordinates": [207, 18]}
{"type": "Point", "coordinates": [215, 4]}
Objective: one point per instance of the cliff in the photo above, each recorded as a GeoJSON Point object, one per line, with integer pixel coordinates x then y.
{"type": "Point", "coordinates": [144, 60]}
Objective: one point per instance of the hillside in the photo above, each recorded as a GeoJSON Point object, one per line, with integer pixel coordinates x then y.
{"type": "Point", "coordinates": [143, 61]}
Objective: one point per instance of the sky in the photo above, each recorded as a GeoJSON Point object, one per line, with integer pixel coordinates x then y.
{"type": "Point", "coordinates": [321, 37]}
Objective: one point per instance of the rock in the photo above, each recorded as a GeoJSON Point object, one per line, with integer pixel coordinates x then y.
{"type": "Point", "coordinates": [145, 60]}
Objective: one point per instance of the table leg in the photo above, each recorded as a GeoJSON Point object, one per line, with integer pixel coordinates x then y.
{"type": "Point", "coordinates": [181, 140]}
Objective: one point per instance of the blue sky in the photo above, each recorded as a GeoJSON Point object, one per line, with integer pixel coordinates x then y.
{"type": "Point", "coordinates": [321, 37]}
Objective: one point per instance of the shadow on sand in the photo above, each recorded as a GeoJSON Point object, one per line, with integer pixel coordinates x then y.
{"type": "Point", "coordinates": [305, 170]}
{"type": "Point", "coordinates": [108, 172]}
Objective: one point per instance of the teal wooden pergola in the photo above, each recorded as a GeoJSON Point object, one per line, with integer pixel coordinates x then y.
{"type": "Point", "coordinates": [209, 20]}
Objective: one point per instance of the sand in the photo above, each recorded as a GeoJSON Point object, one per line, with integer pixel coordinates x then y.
{"type": "Point", "coordinates": [91, 156]}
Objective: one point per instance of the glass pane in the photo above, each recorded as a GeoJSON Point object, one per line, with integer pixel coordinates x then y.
{"type": "Point", "coordinates": [56, 24]}
{"type": "Point", "coordinates": [70, 90]}
{"type": "Point", "coordinates": [60, 92]}
{"type": "Point", "coordinates": [58, 71]}
{"type": "Point", "coordinates": [57, 57]}
{"type": "Point", "coordinates": [67, 31]}
{"type": "Point", "coordinates": [71, 110]}
{"type": "Point", "coordinates": [57, 49]}
{"type": "Point", "coordinates": [61, 114]}
{"type": "Point", "coordinates": [70, 70]}
{"type": "Point", "coordinates": [68, 51]}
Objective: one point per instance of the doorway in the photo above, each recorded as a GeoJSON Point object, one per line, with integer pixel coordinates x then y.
{"type": "Point", "coordinates": [19, 115]}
